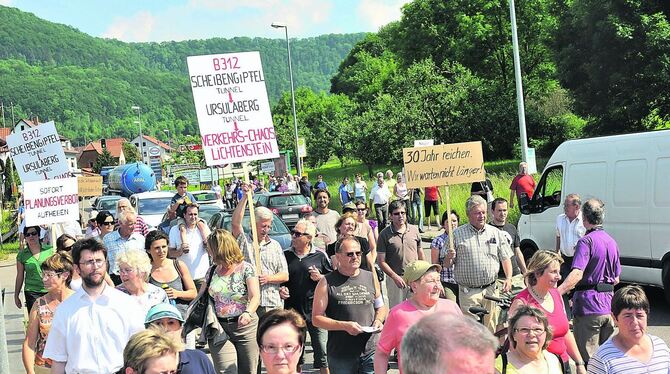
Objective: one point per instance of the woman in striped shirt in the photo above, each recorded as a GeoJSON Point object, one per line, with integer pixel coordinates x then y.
{"type": "Point", "coordinates": [631, 350]}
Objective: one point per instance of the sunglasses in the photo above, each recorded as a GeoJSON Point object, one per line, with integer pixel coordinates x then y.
{"type": "Point", "coordinates": [354, 254]}
{"type": "Point", "coordinates": [107, 223]}
{"type": "Point", "coordinates": [30, 233]}
{"type": "Point", "coordinates": [297, 234]}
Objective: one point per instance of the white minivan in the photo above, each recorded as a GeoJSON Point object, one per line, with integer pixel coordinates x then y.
{"type": "Point", "coordinates": [631, 175]}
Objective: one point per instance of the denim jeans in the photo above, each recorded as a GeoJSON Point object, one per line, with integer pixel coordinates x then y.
{"type": "Point", "coordinates": [416, 207]}
{"type": "Point", "coordinates": [319, 338]}
{"type": "Point", "coordinates": [352, 365]}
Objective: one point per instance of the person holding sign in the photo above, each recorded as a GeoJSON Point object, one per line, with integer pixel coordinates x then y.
{"type": "Point", "coordinates": [479, 250]}
{"type": "Point", "coordinates": [28, 262]}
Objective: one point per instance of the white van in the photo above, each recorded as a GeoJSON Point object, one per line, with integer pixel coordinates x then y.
{"type": "Point", "coordinates": [631, 175]}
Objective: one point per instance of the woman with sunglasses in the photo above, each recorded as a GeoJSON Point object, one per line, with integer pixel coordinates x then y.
{"type": "Point", "coordinates": [64, 243]}
{"type": "Point", "coordinates": [57, 272]}
{"type": "Point", "coordinates": [106, 222]}
{"type": "Point", "coordinates": [28, 262]}
{"type": "Point", "coordinates": [347, 226]}
{"type": "Point", "coordinates": [367, 228]}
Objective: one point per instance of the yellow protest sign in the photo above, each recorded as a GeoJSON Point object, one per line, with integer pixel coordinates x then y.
{"type": "Point", "coordinates": [90, 186]}
{"type": "Point", "coordinates": [444, 164]}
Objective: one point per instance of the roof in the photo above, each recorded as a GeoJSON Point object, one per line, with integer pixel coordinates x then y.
{"type": "Point", "coordinates": [114, 146]}
{"type": "Point", "coordinates": [156, 141]}
{"type": "Point", "coordinates": [4, 131]}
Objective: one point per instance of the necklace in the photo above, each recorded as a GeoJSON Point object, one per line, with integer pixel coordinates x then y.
{"type": "Point", "coordinates": [541, 299]}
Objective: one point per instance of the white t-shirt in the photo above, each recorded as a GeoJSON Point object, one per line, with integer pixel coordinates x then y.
{"type": "Point", "coordinates": [569, 232]}
{"type": "Point", "coordinates": [359, 190]}
{"type": "Point", "coordinates": [197, 259]}
{"type": "Point", "coordinates": [90, 335]}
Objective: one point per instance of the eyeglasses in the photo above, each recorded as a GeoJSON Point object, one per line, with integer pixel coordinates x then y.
{"type": "Point", "coordinates": [361, 209]}
{"type": "Point", "coordinates": [30, 233]}
{"type": "Point", "coordinates": [126, 270]}
{"type": "Point", "coordinates": [399, 213]}
{"type": "Point", "coordinates": [287, 349]}
{"type": "Point", "coordinates": [68, 249]}
{"type": "Point", "coordinates": [50, 274]}
{"type": "Point", "coordinates": [353, 254]}
{"type": "Point", "coordinates": [98, 262]}
{"type": "Point", "coordinates": [297, 234]}
{"type": "Point", "coordinates": [108, 223]}
{"type": "Point", "coordinates": [526, 331]}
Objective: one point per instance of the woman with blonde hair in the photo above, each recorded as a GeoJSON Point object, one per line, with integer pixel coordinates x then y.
{"type": "Point", "coordinates": [151, 351]}
{"type": "Point", "coordinates": [235, 291]}
{"type": "Point", "coordinates": [542, 276]}
{"type": "Point", "coordinates": [57, 273]}
{"type": "Point", "coordinates": [347, 226]}
{"type": "Point", "coordinates": [134, 269]}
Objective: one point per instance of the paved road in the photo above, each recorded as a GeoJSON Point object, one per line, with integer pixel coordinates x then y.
{"type": "Point", "coordinates": [659, 321]}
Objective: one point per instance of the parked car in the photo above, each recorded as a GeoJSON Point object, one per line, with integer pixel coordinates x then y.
{"type": "Point", "coordinates": [278, 232]}
{"type": "Point", "coordinates": [151, 206]}
{"type": "Point", "coordinates": [205, 212]}
{"type": "Point", "coordinates": [207, 198]}
{"type": "Point", "coordinates": [289, 206]}
{"type": "Point", "coordinates": [106, 202]}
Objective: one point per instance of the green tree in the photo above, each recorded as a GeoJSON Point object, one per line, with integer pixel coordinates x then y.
{"type": "Point", "coordinates": [104, 159]}
{"type": "Point", "coordinates": [131, 152]}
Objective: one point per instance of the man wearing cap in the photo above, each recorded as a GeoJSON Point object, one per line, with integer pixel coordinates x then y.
{"type": "Point", "coordinates": [379, 196]}
{"type": "Point", "coordinates": [348, 303]}
{"type": "Point", "coordinates": [168, 317]}
{"type": "Point", "coordinates": [423, 279]}
{"type": "Point", "coordinates": [349, 207]}
{"type": "Point", "coordinates": [398, 245]}
{"type": "Point", "coordinates": [92, 228]}
{"type": "Point", "coordinates": [479, 250]}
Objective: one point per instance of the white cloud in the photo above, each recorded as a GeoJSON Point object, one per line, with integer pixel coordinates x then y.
{"type": "Point", "coordinates": [380, 12]}
{"type": "Point", "coordinates": [136, 28]}
{"type": "Point", "coordinates": [6, 2]}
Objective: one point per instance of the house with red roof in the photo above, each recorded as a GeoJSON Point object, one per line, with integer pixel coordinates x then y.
{"type": "Point", "coordinates": [94, 149]}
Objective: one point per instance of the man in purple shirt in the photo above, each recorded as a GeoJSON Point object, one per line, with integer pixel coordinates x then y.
{"type": "Point", "coordinates": [595, 271]}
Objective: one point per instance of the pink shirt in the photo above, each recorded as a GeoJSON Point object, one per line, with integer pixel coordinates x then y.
{"type": "Point", "coordinates": [402, 317]}
{"type": "Point", "coordinates": [557, 319]}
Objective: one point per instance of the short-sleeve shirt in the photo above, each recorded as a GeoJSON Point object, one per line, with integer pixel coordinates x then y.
{"type": "Point", "coordinates": [230, 292]}
{"type": "Point", "coordinates": [512, 235]}
{"type": "Point", "coordinates": [403, 316]}
{"type": "Point", "coordinates": [597, 255]}
{"type": "Point", "coordinates": [325, 223]}
{"type": "Point", "coordinates": [345, 191]}
{"type": "Point", "coordinates": [432, 194]}
{"type": "Point", "coordinates": [399, 249]}
{"type": "Point", "coordinates": [301, 286]}
{"type": "Point", "coordinates": [523, 183]}
{"type": "Point", "coordinates": [380, 194]}
{"type": "Point", "coordinates": [116, 245]}
{"type": "Point", "coordinates": [611, 360]}
{"type": "Point", "coordinates": [441, 242]}
{"type": "Point", "coordinates": [188, 199]}
{"type": "Point", "coordinates": [272, 262]}
{"type": "Point", "coordinates": [197, 259]}
{"type": "Point", "coordinates": [32, 267]}
{"type": "Point", "coordinates": [569, 233]}
{"type": "Point", "coordinates": [478, 255]}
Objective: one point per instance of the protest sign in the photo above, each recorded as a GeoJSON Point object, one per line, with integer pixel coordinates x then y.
{"type": "Point", "coordinates": [90, 186]}
{"type": "Point", "coordinates": [38, 154]}
{"type": "Point", "coordinates": [268, 167]}
{"type": "Point", "coordinates": [423, 143]}
{"type": "Point", "coordinates": [51, 201]}
{"type": "Point", "coordinates": [445, 164]}
{"type": "Point", "coordinates": [232, 106]}
{"type": "Point", "coordinates": [302, 147]}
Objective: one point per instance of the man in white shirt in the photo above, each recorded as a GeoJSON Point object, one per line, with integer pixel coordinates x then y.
{"type": "Point", "coordinates": [91, 328]}
{"type": "Point", "coordinates": [192, 252]}
{"type": "Point", "coordinates": [379, 196]}
{"type": "Point", "coordinates": [121, 240]}
{"type": "Point", "coordinates": [569, 229]}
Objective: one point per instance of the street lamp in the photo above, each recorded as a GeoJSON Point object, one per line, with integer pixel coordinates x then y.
{"type": "Point", "coordinates": [279, 25]}
{"type": "Point", "coordinates": [168, 137]}
{"type": "Point", "coordinates": [139, 122]}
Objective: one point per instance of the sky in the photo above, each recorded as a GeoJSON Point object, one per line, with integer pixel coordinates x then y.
{"type": "Point", "coordinates": [163, 20]}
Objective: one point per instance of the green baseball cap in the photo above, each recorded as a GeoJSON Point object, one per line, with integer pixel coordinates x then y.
{"type": "Point", "coordinates": [162, 310]}
{"type": "Point", "coordinates": [417, 269]}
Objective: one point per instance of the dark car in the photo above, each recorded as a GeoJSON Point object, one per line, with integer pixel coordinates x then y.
{"type": "Point", "coordinates": [290, 206]}
{"type": "Point", "coordinates": [278, 231]}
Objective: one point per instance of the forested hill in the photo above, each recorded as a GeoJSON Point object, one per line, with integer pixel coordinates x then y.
{"type": "Point", "coordinates": [56, 72]}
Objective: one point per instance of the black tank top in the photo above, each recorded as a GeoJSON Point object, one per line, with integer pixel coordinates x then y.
{"type": "Point", "coordinates": [177, 284]}
{"type": "Point", "coordinates": [351, 299]}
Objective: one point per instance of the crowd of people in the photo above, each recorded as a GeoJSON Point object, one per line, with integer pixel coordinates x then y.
{"type": "Point", "coordinates": [128, 300]}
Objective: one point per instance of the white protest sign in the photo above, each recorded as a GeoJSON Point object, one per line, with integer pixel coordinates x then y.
{"type": "Point", "coordinates": [38, 153]}
{"type": "Point", "coordinates": [423, 143]}
{"type": "Point", "coordinates": [232, 106]}
{"type": "Point", "coordinates": [268, 167]}
{"type": "Point", "coordinates": [51, 201]}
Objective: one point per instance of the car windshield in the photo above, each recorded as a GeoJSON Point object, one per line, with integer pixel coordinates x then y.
{"type": "Point", "coordinates": [206, 214]}
{"type": "Point", "coordinates": [155, 205]}
{"type": "Point", "coordinates": [278, 227]}
{"type": "Point", "coordinates": [207, 196]}
{"type": "Point", "coordinates": [287, 200]}
{"type": "Point", "coordinates": [108, 204]}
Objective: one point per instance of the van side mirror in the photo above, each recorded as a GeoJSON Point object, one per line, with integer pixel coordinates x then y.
{"type": "Point", "coordinates": [524, 204]}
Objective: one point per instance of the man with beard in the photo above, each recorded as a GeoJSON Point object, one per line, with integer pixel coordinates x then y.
{"type": "Point", "coordinates": [91, 328]}
{"type": "Point", "coordinates": [325, 218]}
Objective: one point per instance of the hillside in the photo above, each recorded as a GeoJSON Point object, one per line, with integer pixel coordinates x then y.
{"type": "Point", "coordinates": [88, 84]}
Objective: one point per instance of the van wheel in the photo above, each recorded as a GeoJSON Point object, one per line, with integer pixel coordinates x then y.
{"type": "Point", "coordinates": [666, 280]}
{"type": "Point", "coordinates": [528, 249]}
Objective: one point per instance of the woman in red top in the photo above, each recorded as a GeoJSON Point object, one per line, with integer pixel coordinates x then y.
{"type": "Point", "coordinates": [542, 277]}
{"type": "Point", "coordinates": [430, 204]}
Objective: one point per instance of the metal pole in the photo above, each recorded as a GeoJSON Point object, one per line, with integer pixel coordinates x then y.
{"type": "Point", "coordinates": [295, 118]}
{"type": "Point", "coordinates": [2, 105]}
{"type": "Point", "coordinates": [519, 85]}
{"type": "Point", "coordinates": [139, 122]}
